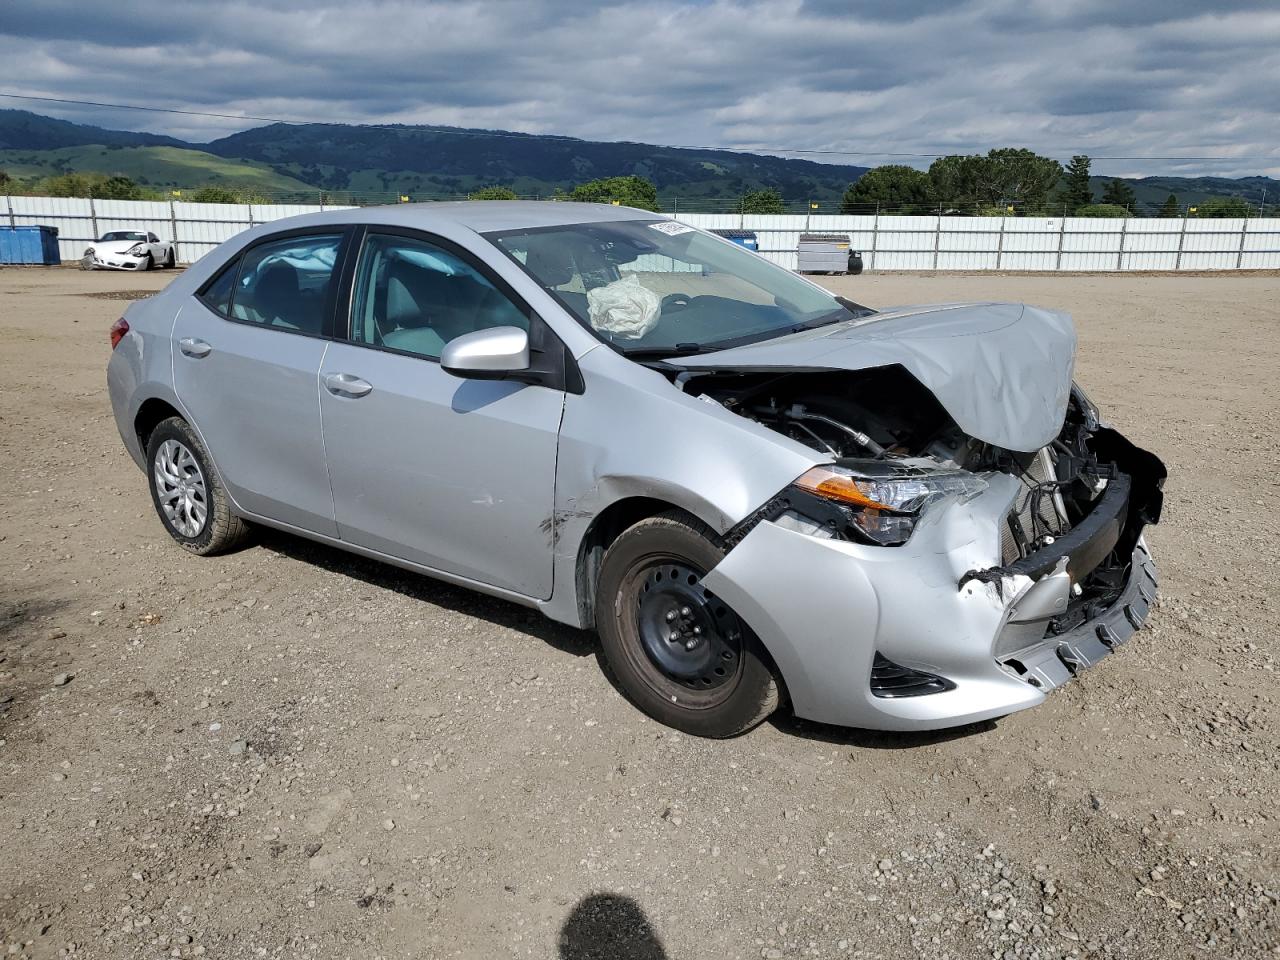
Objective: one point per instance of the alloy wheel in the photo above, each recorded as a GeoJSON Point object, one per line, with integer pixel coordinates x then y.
{"type": "Point", "coordinates": [180, 488]}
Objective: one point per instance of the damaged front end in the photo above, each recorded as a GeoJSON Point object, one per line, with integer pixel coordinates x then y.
{"type": "Point", "coordinates": [925, 577]}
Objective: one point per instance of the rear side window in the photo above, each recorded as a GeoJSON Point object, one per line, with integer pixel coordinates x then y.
{"type": "Point", "coordinates": [217, 294]}
{"type": "Point", "coordinates": [286, 283]}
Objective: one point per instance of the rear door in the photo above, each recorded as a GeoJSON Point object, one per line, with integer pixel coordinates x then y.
{"type": "Point", "coordinates": [247, 352]}
{"type": "Point", "coordinates": [453, 474]}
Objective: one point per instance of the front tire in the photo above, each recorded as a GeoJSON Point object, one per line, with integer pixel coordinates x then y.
{"type": "Point", "coordinates": [187, 494]}
{"type": "Point", "coordinates": [169, 259]}
{"type": "Point", "coordinates": [678, 651]}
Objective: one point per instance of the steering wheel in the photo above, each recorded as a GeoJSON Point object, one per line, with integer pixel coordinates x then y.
{"type": "Point", "coordinates": [675, 301]}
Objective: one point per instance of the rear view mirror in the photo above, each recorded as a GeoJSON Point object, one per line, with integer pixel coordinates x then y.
{"type": "Point", "coordinates": [492, 354]}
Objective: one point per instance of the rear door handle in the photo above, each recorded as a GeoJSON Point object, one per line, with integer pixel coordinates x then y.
{"type": "Point", "coordinates": [346, 385]}
{"type": "Point", "coordinates": [193, 347]}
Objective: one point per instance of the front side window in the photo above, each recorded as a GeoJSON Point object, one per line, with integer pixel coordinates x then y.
{"type": "Point", "coordinates": [415, 296]}
{"type": "Point", "coordinates": [286, 283]}
{"type": "Point", "coordinates": [660, 287]}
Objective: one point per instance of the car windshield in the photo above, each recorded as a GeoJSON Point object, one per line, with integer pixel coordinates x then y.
{"type": "Point", "coordinates": [122, 235]}
{"type": "Point", "coordinates": [658, 287]}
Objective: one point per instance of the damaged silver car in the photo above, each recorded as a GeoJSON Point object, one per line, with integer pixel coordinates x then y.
{"type": "Point", "coordinates": [755, 491]}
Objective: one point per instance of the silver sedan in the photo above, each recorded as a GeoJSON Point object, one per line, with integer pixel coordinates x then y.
{"type": "Point", "coordinates": [755, 491]}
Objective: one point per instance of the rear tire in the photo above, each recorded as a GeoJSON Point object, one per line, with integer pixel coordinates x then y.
{"type": "Point", "coordinates": [188, 495]}
{"type": "Point", "coordinates": [677, 651]}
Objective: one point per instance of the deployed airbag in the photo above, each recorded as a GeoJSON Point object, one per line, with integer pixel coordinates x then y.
{"type": "Point", "coordinates": [626, 308]}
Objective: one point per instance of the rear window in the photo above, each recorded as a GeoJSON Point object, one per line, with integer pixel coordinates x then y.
{"type": "Point", "coordinates": [217, 293]}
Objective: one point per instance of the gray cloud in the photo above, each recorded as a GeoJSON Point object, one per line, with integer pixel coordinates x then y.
{"type": "Point", "coordinates": [1142, 78]}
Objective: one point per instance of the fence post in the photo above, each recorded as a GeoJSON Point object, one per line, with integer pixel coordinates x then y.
{"type": "Point", "coordinates": [875, 236]}
{"type": "Point", "coordinates": [1244, 227]}
{"type": "Point", "coordinates": [1062, 240]}
{"type": "Point", "coordinates": [93, 218]}
{"type": "Point", "coordinates": [1182, 235]}
{"type": "Point", "coordinates": [13, 221]}
{"type": "Point", "coordinates": [173, 229]}
{"type": "Point", "coordinates": [1000, 243]}
{"type": "Point", "coordinates": [1124, 224]}
{"type": "Point", "coordinates": [937, 236]}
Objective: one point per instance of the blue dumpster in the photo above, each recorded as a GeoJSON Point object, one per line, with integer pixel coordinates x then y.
{"type": "Point", "coordinates": [29, 245]}
{"type": "Point", "coordinates": [743, 238]}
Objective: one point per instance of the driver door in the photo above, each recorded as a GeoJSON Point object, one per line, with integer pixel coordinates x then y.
{"type": "Point", "coordinates": [452, 474]}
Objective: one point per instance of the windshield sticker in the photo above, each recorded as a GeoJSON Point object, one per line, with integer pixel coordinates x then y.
{"type": "Point", "coordinates": [670, 228]}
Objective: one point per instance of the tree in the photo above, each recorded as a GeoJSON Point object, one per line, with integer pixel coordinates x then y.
{"type": "Point", "coordinates": [627, 191]}
{"type": "Point", "coordinates": [214, 195]}
{"type": "Point", "coordinates": [763, 201]}
{"type": "Point", "coordinates": [1224, 207]}
{"type": "Point", "coordinates": [5, 179]}
{"type": "Point", "coordinates": [893, 187]}
{"type": "Point", "coordinates": [493, 193]}
{"type": "Point", "coordinates": [1010, 175]}
{"type": "Point", "coordinates": [1120, 194]}
{"type": "Point", "coordinates": [1170, 207]}
{"type": "Point", "coordinates": [1077, 192]}
{"type": "Point", "coordinates": [1102, 210]}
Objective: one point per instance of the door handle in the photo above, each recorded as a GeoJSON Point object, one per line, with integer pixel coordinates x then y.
{"type": "Point", "coordinates": [346, 385]}
{"type": "Point", "coordinates": [193, 347]}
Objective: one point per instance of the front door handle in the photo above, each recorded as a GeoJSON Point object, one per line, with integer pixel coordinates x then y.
{"type": "Point", "coordinates": [194, 347]}
{"type": "Point", "coordinates": [346, 385]}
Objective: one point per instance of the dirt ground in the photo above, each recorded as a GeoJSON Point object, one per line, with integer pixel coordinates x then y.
{"type": "Point", "coordinates": [290, 752]}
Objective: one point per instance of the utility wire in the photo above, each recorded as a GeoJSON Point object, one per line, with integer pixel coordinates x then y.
{"type": "Point", "coordinates": [456, 132]}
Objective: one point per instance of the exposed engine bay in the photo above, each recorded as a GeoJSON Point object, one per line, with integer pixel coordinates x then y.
{"type": "Point", "coordinates": [883, 422]}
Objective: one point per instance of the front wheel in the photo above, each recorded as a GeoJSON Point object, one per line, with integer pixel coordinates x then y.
{"type": "Point", "coordinates": [169, 259]}
{"type": "Point", "coordinates": [187, 493]}
{"type": "Point", "coordinates": [148, 263]}
{"type": "Point", "coordinates": [676, 649]}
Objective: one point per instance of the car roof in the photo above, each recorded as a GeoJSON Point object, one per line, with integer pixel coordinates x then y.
{"type": "Point", "coordinates": [482, 216]}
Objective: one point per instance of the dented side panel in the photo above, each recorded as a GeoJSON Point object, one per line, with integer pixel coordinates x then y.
{"type": "Point", "coordinates": [631, 434]}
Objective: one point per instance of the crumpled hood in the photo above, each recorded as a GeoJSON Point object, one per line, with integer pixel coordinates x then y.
{"type": "Point", "coordinates": [115, 247]}
{"type": "Point", "coordinates": [1002, 370]}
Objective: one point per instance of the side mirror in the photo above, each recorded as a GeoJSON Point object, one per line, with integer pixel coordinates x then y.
{"type": "Point", "coordinates": [492, 354]}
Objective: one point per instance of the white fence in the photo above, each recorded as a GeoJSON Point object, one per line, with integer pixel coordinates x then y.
{"type": "Point", "coordinates": [887, 242]}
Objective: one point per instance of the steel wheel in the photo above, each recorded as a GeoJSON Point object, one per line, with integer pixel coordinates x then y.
{"type": "Point", "coordinates": [687, 633]}
{"type": "Point", "coordinates": [180, 488]}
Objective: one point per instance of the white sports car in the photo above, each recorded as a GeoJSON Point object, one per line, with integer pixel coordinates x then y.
{"type": "Point", "coordinates": [128, 250]}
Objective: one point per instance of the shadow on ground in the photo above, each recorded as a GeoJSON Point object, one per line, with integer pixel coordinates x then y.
{"type": "Point", "coordinates": [578, 643]}
{"type": "Point", "coordinates": [609, 926]}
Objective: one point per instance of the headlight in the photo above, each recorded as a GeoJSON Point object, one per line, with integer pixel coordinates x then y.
{"type": "Point", "coordinates": [136, 250]}
{"type": "Point", "coordinates": [884, 500]}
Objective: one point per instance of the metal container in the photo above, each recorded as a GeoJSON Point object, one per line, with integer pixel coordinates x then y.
{"type": "Point", "coordinates": [38, 245]}
{"type": "Point", "coordinates": [827, 253]}
{"type": "Point", "coordinates": [743, 238]}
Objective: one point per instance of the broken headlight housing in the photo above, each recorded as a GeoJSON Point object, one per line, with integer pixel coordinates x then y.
{"type": "Point", "coordinates": [883, 501]}
{"type": "Point", "coordinates": [137, 250]}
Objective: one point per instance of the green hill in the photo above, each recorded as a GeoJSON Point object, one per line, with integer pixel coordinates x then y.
{"type": "Point", "coordinates": [161, 168]}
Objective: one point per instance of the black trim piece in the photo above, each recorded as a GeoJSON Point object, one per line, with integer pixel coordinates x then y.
{"type": "Point", "coordinates": [1085, 546]}
{"type": "Point", "coordinates": [891, 680]}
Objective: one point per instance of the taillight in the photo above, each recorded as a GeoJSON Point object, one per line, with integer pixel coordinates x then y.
{"type": "Point", "coordinates": [118, 330]}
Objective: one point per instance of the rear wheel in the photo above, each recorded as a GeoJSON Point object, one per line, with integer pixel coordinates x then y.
{"type": "Point", "coordinates": [677, 650]}
{"type": "Point", "coordinates": [188, 496]}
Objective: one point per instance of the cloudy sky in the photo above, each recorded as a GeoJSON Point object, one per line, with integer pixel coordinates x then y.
{"type": "Point", "coordinates": [1114, 78]}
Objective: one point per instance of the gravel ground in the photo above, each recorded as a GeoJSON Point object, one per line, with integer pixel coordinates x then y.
{"type": "Point", "coordinates": [290, 752]}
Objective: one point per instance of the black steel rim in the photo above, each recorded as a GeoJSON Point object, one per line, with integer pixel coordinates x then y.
{"type": "Point", "coordinates": [688, 633]}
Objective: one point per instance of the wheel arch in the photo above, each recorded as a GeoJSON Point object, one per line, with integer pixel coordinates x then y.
{"type": "Point", "coordinates": [152, 412]}
{"type": "Point", "coordinates": [605, 527]}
